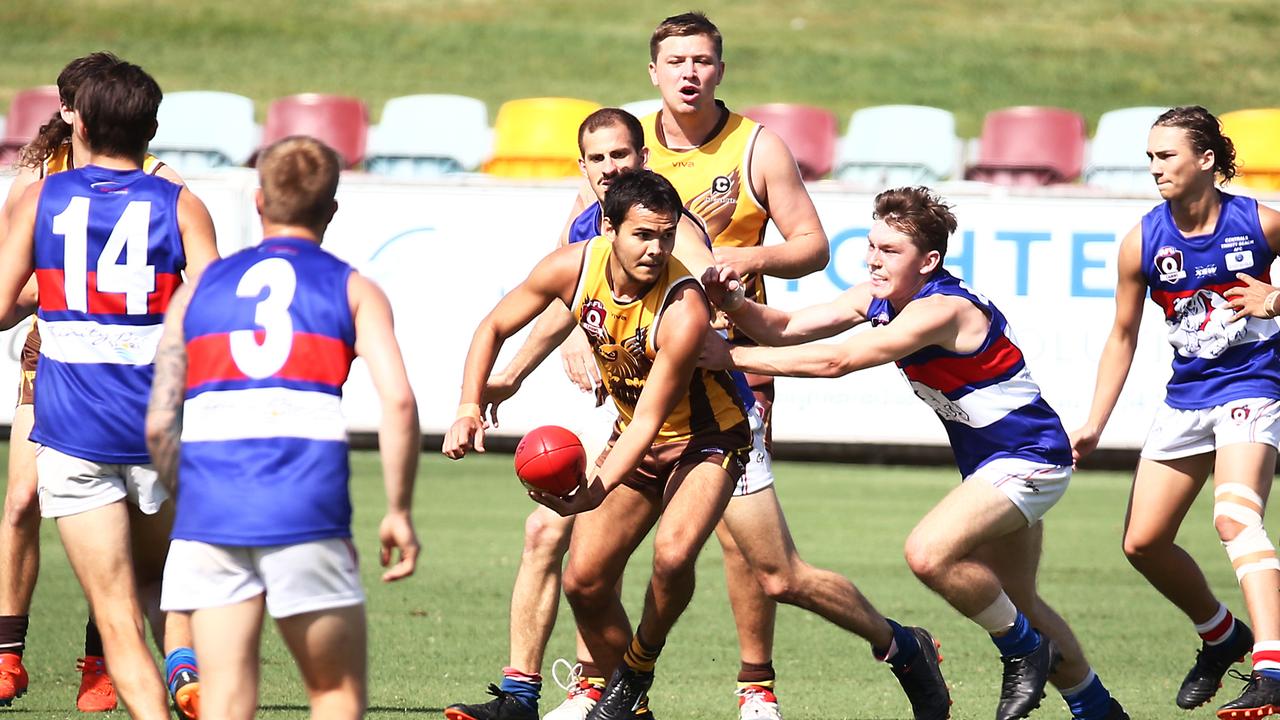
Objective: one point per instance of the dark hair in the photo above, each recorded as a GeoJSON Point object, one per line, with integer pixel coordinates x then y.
{"type": "Point", "coordinates": [299, 178]}
{"type": "Point", "coordinates": [683, 25]}
{"type": "Point", "coordinates": [57, 131]}
{"type": "Point", "coordinates": [1205, 133]}
{"type": "Point", "coordinates": [118, 109]}
{"type": "Point", "coordinates": [641, 187]}
{"type": "Point", "coordinates": [605, 117]}
{"type": "Point", "coordinates": [919, 214]}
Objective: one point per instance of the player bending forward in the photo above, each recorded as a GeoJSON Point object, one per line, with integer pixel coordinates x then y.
{"type": "Point", "coordinates": [979, 548]}
{"type": "Point", "coordinates": [249, 372]}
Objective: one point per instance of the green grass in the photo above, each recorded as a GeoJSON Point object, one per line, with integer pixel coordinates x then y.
{"type": "Point", "coordinates": [441, 636]}
{"type": "Point", "coordinates": [969, 56]}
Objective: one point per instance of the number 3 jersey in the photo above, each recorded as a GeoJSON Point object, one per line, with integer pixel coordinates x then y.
{"type": "Point", "coordinates": [108, 253]}
{"type": "Point", "coordinates": [270, 339]}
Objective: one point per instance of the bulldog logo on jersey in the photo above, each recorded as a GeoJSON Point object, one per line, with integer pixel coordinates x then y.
{"type": "Point", "coordinates": [1169, 264]}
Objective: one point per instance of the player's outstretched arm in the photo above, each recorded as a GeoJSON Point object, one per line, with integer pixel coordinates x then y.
{"type": "Point", "coordinates": [1117, 353]}
{"type": "Point", "coordinates": [199, 242]}
{"type": "Point", "coordinates": [17, 258]}
{"type": "Point", "coordinates": [776, 179]}
{"type": "Point", "coordinates": [552, 328]}
{"type": "Point", "coordinates": [399, 438]}
{"type": "Point", "coordinates": [168, 389]}
{"type": "Point", "coordinates": [772, 326]}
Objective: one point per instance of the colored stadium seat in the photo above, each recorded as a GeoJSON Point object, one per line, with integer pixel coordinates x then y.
{"type": "Point", "coordinates": [538, 137]}
{"type": "Point", "coordinates": [810, 132]}
{"type": "Point", "coordinates": [1117, 156]}
{"type": "Point", "coordinates": [428, 135]}
{"type": "Point", "coordinates": [29, 110]}
{"type": "Point", "coordinates": [1256, 135]}
{"type": "Point", "coordinates": [896, 145]}
{"type": "Point", "coordinates": [340, 122]}
{"type": "Point", "coordinates": [1030, 146]}
{"type": "Point", "coordinates": [202, 130]}
{"type": "Point", "coordinates": [641, 108]}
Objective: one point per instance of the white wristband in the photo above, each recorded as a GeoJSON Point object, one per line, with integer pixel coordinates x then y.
{"type": "Point", "coordinates": [734, 300]}
{"type": "Point", "coordinates": [1269, 305]}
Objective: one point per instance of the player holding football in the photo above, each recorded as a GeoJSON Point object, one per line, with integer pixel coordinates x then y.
{"type": "Point", "coordinates": [99, 332]}
{"type": "Point", "coordinates": [1202, 254]}
{"type": "Point", "coordinates": [980, 547]}
{"type": "Point", "coordinates": [264, 514]}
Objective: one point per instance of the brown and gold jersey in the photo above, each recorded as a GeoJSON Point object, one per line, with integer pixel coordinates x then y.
{"type": "Point", "coordinates": [61, 159]}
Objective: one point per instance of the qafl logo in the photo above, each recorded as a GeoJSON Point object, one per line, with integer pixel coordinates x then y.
{"type": "Point", "coordinates": [593, 316]}
{"type": "Point", "coordinates": [1169, 264]}
{"type": "Point", "coordinates": [1240, 414]}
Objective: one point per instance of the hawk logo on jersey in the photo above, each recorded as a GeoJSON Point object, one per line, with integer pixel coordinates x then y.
{"type": "Point", "coordinates": [716, 204]}
{"type": "Point", "coordinates": [1169, 264]}
{"type": "Point", "coordinates": [625, 366]}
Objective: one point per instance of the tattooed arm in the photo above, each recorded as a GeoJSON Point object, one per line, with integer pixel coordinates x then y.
{"type": "Point", "coordinates": [164, 411]}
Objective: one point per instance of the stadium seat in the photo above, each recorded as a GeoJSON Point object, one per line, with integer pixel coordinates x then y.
{"type": "Point", "coordinates": [810, 132]}
{"type": "Point", "coordinates": [538, 137]}
{"type": "Point", "coordinates": [202, 130]}
{"type": "Point", "coordinates": [340, 122]}
{"type": "Point", "coordinates": [1030, 145]}
{"type": "Point", "coordinates": [1256, 135]}
{"type": "Point", "coordinates": [1117, 156]}
{"type": "Point", "coordinates": [427, 135]}
{"type": "Point", "coordinates": [641, 108]}
{"type": "Point", "coordinates": [896, 145]}
{"type": "Point", "coordinates": [29, 110]}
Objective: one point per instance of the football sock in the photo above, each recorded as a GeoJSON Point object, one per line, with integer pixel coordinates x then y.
{"type": "Point", "coordinates": [1019, 640]}
{"type": "Point", "coordinates": [592, 674]}
{"type": "Point", "coordinates": [1266, 658]}
{"type": "Point", "coordinates": [13, 634]}
{"type": "Point", "coordinates": [902, 648]}
{"type": "Point", "coordinates": [1089, 700]}
{"type": "Point", "coordinates": [640, 656]}
{"type": "Point", "coordinates": [178, 661]}
{"type": "Point", "coordinates": [758, 674]}
{"type": "Point", "coordinates": [1219, 628]}
{"type": "Point", "coordinates": [92, 640]}
{"type": "Point", "coordinates": [524, 687]}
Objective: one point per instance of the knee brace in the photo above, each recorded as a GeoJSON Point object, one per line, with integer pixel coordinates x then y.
{"type": "Point", "coordinates": [1250, 550]}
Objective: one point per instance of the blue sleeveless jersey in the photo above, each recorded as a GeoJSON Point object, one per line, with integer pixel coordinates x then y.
{"type": "Point", "coordinates": [108, 257]}
{"type": "Point", "coordinates": [270, 339]}
{"type": "Point", "coordinates": [986, 399]}
{"type": "Point", "coordinates": [1214, 361]}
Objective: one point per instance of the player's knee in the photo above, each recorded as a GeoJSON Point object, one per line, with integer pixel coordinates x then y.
{"type": "Point", "coordinates": [546, 539]}
{"type": "Point", "coordinates": [779, 586]}
{"type": "Point", "coordinates": [586, 592]}
{"type": "Point", "coordinates": [22, 509]}
{"type": "Point", "coordinates": [1227, 528]}
{"type": "Point", "coordinates": [672, 564]}
{"type": "Point", "coordinates": [926, 564]}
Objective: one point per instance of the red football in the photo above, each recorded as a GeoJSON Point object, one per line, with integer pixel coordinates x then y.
{"type": "Point", "coordinates": [550, 458]}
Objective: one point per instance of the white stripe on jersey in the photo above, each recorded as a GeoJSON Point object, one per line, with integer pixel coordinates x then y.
{"type": "Point", "coordinates": [983, 406]}
{"type": "Point", "coordinates": [88, 341]}
{"type": "Point", "coordinates": [219, 415]}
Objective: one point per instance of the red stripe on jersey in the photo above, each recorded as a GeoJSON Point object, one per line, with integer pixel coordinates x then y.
{"type": "Point", "coordinates": [949, 374]}
{"type": "Point", "coordinates": [313, 358]}
{"type": "Point", "coordinates": [53, 293]}
{"type": "Point", "coordinates": [1166, 298]}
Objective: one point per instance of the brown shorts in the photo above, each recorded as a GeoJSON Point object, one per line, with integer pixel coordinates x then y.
{"type": "Point", "coordinates": [729, 449]}
{"type": "Point", "coordinates": [27, 362]}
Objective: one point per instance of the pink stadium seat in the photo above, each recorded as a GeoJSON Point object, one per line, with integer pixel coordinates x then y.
{"type": "Point", "coordinates": [29, 110]}
{"type": "Point", "coordinates": [340, 122]}
{"type": "Point", "coordinates": [1030, 146]}
{"type": "Point", "coordinates": [809, 132]}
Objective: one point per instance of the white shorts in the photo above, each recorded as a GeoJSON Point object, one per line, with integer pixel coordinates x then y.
{"type": "Point", "coordinates": [1182, 433]}
{"type": "Point", "coordinates": [1032, 487]}
{"type": "Point", "coordinates": [68, 485]}
{"type": "Point", "coordinates": [759, 470]}
{"type": "Point", "coordinates": [300, 578]}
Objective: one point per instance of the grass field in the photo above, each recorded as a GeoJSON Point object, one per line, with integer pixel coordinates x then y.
{"type": "Point", "coordinates": [969, 56]}
{"type": "Point", "coordinates": [441, 636]}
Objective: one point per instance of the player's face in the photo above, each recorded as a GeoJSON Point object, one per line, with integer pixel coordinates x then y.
{"type": "Point", "coordinates": [898, 267]}
{"type": "Point", "coordinates": [1179, 171]}
{"type": "Point", "coordinates": [687, 72]}
{"type": "Point", "coordinates": [641, 246]}
{"type": "Point", "coordinates": [607, 153]}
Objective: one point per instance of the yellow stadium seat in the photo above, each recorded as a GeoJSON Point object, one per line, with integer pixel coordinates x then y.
{"type": "Point", "coordinates": [538, 137]}
{"type": "Point", "coordinates": [1256, 135]}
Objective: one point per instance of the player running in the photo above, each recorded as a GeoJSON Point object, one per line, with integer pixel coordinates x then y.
{"type": "Point", "coordinates": [99, 329]}
{"type": "Point", "coordinates": [980, 547]}
{"type": "Point", "coordinates": [249, 378]}
{"type": "Point", "coordinates": [1193, 253]}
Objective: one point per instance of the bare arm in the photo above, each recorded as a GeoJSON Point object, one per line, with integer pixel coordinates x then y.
{"type": "Point", "coordinates": [1117, 354]}
{"type": "Point", "coordinates": [168, 389]}
{"type": "Point", "coordinates": [776, 179]}
{"type": "Point", "coordinates": [199, 243]}
{"type": "Point", "coordinates": [17, 258]}
{"type": "Point", "coordinates": [398, 432]}
{"type": "Point", "coordinates": [167, 172]}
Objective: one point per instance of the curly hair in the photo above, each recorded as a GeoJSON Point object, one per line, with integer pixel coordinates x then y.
{"type": "Point", "coordinates": [56, 131]}
{"type": "Point", "coordinates": [1205, 132]}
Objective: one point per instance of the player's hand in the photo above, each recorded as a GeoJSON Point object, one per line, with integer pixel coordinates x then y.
{"type": "Point", "coordinates": [723, 286]}
{"type": "Point", "coordinates": [396, 532]}
{"type": "Point", "coordinates": [715, 353]}
{"type": "Point", "coordinates": [497, 390]}
{"type": "Point", "coordinates": [467, 432]}
{"type": "Point", "coordinates": [1252, 300]}
{"type": "Point", "coordinates": [587, 496]}
{"type": "Point", "coordinates": [743, 260]}
{"type": "Point", "coordinates": [580, 361]}
{"type": "Point", "coordinates": [1084, 440]}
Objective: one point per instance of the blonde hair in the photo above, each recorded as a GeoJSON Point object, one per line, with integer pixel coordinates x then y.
{"type": "Point", "coordinates": [299, 177]}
